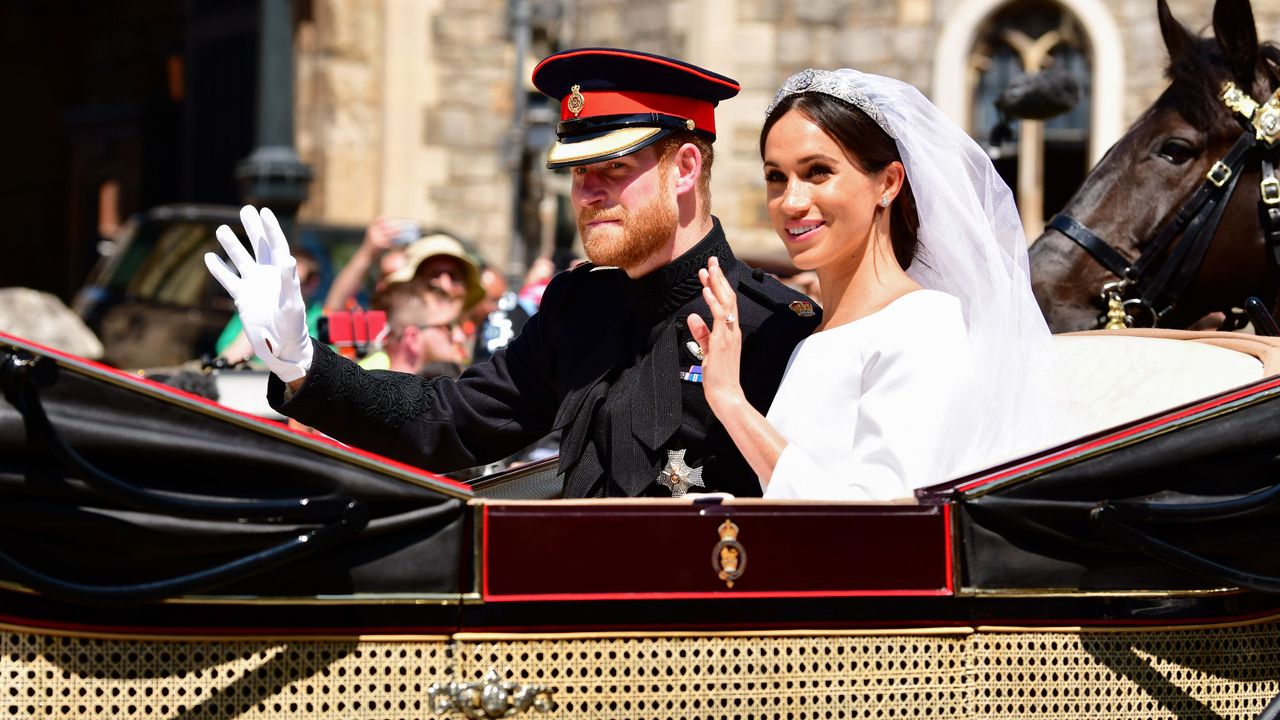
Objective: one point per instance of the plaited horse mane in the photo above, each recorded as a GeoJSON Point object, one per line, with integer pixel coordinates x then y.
{"type": "Point", "coordinates": [1146, 185]}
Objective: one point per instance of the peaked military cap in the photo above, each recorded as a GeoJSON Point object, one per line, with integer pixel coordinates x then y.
{"type": "Point", "coordinates": [614, 102]}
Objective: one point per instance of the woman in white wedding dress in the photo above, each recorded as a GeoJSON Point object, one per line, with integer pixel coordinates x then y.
{"type": "Point", "coordinates": [931, 353]}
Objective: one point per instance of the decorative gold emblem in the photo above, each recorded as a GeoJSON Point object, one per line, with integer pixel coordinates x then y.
{"type": "Point", "coordinates": [729, 558]}
{"type": "Point", "coordinates": [802, 308]}
{"type": "Point", "coordinates": [491, 697]}
{"type": "Point", "coordinates": [1117, 317]}
{"type": "Point", "coordinates": [677, 476]}
{"type": "Point", "coordinates": [1265, 117]}
{"type": "Point", "coordinates": [690, 124]}
{"type": "Point", "coordinates": [1239, 101]}
{"type": "Point", "coordinates": [576, 101]}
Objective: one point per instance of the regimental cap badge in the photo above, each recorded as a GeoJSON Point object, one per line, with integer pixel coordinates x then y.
{"type": "Point", "coordinates": [802, 308]}
{"type": "Point", "coordinates": [576, 101]}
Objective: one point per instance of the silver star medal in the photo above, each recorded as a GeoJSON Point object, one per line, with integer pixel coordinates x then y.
{"type": "Point", "coordinates": [677, 476]}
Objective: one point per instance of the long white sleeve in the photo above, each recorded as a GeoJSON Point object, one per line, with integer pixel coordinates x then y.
{"type": "Point", "coordinates": [863, 406]}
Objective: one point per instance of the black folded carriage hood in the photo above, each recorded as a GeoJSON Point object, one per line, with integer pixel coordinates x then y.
{"type": "Point", "coordinates": [120, 491]}
{"type": "Point", "coordinates": [1184, 500]}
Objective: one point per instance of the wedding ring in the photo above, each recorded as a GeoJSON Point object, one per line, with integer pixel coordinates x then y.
{"type": "Point", "coordinates": [730, 318]}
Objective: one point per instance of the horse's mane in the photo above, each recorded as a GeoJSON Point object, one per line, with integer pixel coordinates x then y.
{"type": "Point", "coordinates": [1199, 73]}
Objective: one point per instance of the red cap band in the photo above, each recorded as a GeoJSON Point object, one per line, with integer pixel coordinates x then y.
{"type": "Point", "coordinates": [601, 103]}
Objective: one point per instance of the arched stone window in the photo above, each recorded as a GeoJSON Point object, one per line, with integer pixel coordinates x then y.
{"type": "Point", "coordinates": [985, 43]}
{"type": "Point", "coordinates": [1043, 161]}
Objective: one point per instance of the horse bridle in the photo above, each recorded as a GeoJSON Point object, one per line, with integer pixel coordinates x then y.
{"type": "Point", "coordinates": [1147, 289]}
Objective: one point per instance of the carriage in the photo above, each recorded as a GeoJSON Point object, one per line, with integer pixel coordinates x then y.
{"type": "Point", "coordinates": [166, 556]}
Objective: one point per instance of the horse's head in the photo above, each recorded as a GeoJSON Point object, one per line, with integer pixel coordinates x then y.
{"type": "Point", "coordinates": [1152, 171]}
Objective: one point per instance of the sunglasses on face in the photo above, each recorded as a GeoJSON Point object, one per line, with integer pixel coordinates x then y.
{"type": "Point", "coordinates": [448, 327]}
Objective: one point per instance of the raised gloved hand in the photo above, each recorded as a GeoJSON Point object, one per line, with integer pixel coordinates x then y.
{"type": "Point", "coordinates": [266, 292]}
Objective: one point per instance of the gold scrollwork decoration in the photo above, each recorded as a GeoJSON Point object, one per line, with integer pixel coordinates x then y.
{"type": "Point", "coordinates": [1265, 117]}
{"type": "Point", "coordinates": [729, 558]}
{"type": "Point", "coordinates": [1239, 101]}
{"type": "Point", "coordinates": [491, 697]}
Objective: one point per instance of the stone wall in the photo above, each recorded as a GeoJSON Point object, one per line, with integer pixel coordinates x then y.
{"type": "Point", "coordinates": [404, 104]}
{"type": "Point", "coordinates": [402, 109]}
{"type": "Point", "coordinates": [465, 121]}
{"type": "Point", "coordinates": [339, 109]}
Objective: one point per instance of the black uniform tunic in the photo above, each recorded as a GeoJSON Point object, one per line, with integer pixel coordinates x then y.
{"type": "Point", "coordinates": [601, 361]}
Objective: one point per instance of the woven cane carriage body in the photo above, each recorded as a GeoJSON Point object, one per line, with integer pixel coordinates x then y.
{"type": "Point", "coordinates": [1126, 574]}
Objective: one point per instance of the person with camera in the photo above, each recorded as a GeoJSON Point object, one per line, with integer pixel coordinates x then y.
{"type": "Point", "coordinates": [608, 360]}
{"type": "Point", "coordinates": [442, 261]}
{"type": "Point", "coordinates": [383, 244]}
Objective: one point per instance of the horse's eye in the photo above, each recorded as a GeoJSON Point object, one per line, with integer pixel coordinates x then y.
{"type": "Point", "coordinates": [1176, 151]}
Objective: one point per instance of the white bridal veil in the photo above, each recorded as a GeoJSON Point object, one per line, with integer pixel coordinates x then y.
{"type": "Point", "coordinates": [972, 246]}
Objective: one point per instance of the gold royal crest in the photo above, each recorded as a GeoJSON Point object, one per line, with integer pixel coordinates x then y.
{"type": "Point", "coordinates": [576, 101]}
{"type": "Point", "coordinates": [729, 557]}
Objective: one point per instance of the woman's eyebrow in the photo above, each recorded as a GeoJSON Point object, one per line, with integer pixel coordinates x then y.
{"type": "Point", "coordinates": [816, 157]}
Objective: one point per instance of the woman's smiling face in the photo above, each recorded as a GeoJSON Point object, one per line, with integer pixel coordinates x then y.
{"type": "Point", "coordinates": [822, 204]}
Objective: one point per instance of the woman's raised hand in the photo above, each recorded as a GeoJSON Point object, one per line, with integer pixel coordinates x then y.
{"type": "Point", "coordinates": [722, 342]}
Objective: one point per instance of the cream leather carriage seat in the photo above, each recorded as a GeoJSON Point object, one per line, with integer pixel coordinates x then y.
{"type": "Point", "coordinates": [1112, 377]}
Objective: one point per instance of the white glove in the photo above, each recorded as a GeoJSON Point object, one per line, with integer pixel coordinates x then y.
{"type": "Point", "coordinates": [266, 293]}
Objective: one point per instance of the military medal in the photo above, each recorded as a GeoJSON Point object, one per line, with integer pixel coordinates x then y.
{"type": "Point", "coordinates": [677, 476]}
{"type": "Point", "coordinates": [802, 308]}
{"type": "Point", "coordinates": [576, 101]}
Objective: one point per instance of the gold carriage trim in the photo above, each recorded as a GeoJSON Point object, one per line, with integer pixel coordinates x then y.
{"type": "Point", "coordinates": [1265, 117]}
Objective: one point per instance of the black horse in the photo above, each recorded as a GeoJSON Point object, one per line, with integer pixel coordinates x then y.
{"type": "Point", "coordinates": [1181, 218]}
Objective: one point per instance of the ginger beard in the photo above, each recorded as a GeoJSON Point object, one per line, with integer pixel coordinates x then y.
{"type": "Point", "coordinates": [640, 233]}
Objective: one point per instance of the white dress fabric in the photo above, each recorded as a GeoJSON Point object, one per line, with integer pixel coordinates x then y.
{"type": "Point", "coordinates": [864, 405]}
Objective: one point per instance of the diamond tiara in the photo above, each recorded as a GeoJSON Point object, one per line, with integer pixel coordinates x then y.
{"type": "Point", "coordinates": [836, 85]}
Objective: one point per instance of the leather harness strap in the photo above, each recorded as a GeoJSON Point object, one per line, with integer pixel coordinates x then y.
{"type": "Point", "coordinates": [1214, 185]}
{"type": "Point", "coordinates": [1185, 259]}
{"type": "Point", "coordinates": [1271, 208]}
{"type": "Point", "coordinates": [1094, 245]}
{"type": "Point", "coordinates": [1196, 222]}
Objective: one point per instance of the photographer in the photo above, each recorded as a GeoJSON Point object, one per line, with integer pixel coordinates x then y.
{"type": "Point", "coordinates": [384, 243]}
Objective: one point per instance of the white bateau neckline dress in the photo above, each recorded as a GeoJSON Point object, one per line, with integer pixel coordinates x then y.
{"type": "Point", "coordinates": [864, 405]}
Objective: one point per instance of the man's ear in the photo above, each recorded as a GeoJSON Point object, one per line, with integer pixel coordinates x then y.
{"type": "Point", "coordinates": [688, 167]}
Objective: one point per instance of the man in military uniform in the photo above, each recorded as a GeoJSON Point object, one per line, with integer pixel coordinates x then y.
{"type": "Point", "coordinates": [608, 360]}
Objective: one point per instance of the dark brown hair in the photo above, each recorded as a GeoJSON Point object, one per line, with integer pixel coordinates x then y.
{"type": "Point", "coordinates": [866, 145]}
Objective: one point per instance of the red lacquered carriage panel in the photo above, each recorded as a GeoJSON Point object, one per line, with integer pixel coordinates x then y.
{"type": "Point", "coordinates": [630, 550]}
